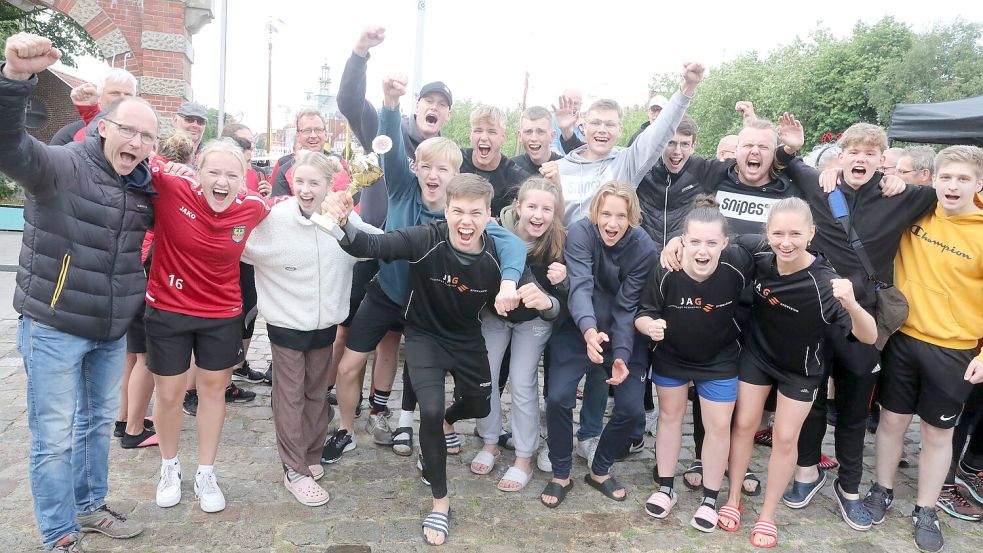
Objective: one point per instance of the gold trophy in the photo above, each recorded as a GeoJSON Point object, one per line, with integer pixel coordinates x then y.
{"type": "Point", "coordinates": [365, 170]}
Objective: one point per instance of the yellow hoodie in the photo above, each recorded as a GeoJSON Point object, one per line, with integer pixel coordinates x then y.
{"type": "Point", "coordinates": [939, 268]}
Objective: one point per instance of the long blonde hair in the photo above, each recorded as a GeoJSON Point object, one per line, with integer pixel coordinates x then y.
{"type": "Point", "coordinates": [549, 247]}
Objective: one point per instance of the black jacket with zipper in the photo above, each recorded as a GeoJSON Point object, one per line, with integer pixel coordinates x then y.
{"type": "Point", "coordinates": [80, 269]}
{"type": "Point", "coordinates": [667, 197]}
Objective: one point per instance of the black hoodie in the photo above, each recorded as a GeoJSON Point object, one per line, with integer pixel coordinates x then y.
{"type": "Point", "coordinates": [746, 207]}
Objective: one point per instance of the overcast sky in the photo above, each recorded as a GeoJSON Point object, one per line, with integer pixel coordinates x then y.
{"type": "Point", "coordinates": [482, 50]}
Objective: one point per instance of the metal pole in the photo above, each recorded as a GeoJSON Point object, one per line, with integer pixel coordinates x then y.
{"type": "Point", "coordinates": [221, 68]}
{"type": "Point", "coordinates": [269, 93]}
{"type": "Point", "coordinates": [421, 14]}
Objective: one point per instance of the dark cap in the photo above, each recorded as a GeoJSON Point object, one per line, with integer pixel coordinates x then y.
{"type": "Point", "coordinates": [193, 109]}
{"type": "Point", "coordinates": [437, 86]}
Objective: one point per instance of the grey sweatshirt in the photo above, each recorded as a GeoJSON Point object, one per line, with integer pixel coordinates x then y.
{"type": "Point", "coordinates": [581, 177]}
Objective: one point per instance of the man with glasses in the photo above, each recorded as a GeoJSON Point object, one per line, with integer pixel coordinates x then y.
{"type": "Point", "coordinates": [915, 165]}
{"type": "Point", "coordinates": [890, 165]}
{"type": "Point", "coordinates": [191, 118]}
{"type": "Point", "coordinates": [79, 284]}
{"type": "Point", "coordinates": [91, 103]}
{"type": "Point", "coordinates": [311, 134]}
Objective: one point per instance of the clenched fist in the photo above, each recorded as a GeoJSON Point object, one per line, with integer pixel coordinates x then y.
{"type": "Point", "coordinates": [393, 88]}
{"type": "Point", "coordinates": [27, 55]}
{"type": "Point", "coordinates": [372, 36]}
{"type": "Point", "coordinates": [85, 95]}
{"type": "Point", "coordinates": [657, 330]}
{"type": "Point", "coordinates": [843, 291]}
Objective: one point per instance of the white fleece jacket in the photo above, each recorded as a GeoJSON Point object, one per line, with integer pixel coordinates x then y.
{"type": "Point", "coordinates": [303, 277]}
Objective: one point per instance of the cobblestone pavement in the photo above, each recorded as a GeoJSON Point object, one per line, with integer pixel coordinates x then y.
{"type": "Point", "coordinates": [378, 501]}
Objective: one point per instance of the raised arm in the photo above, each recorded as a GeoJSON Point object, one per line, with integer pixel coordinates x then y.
{"type": "Point", "coordinates": [647, 149]}
{"type": "Point", "coordinates": [28, 162]}
{"type": "Point", "coordinates": [399, 179]}
{"type": "Point", "coordinates": [359, 112]}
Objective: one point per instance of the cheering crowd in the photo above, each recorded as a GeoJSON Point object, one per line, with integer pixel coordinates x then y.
{"type": "Point", "coordinates": [768, 289]}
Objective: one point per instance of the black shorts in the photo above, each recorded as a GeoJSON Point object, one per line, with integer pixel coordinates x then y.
{"type": "Point", "coordinates": [361, 276]}
{"type": "Point", "coordinates": [136, 336]}
{"type": "Point", "coordinates": [247, 284]}
{"type": "Point", "coordinates": [466, 359]}
{"type": "Point", "coordinates": [172, 337]}
{"type": "Point", "coordinates": [924, 379]}
{"type": "Point", "coordinates": [792, 385]}
{"type": "Point", "coordinates": [376, 316]}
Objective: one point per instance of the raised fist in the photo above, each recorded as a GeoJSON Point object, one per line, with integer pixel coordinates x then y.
{"type": "Point", "coordinates": [372, 36]}
{"type": "Point", "coordinates": [393, 88]}
{"type": "Point", "coordinates": [692, 75]}
{"type": "Point", "coordinates": [85, 95]}
{"type": "Point", "coordinates": [27, 55]}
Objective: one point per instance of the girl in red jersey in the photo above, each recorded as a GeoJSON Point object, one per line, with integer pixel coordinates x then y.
{"type": "Point", "coordinates": [194, 305]}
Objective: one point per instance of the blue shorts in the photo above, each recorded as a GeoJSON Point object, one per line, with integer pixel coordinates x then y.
{"type": "Point", "coordinates": [722, 391]}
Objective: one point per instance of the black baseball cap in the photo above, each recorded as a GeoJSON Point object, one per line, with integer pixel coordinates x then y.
{"type": "Point", "coordinates": [437, 86]}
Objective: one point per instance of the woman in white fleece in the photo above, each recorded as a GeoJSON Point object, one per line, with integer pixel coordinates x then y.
{"type": "Point", "coordinates": [303, 283]}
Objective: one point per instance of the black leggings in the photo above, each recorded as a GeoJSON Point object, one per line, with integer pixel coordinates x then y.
{"type": "Point", "coordinates": [851, 364]}
{"type": "Point", "coordinates": [430, 362]}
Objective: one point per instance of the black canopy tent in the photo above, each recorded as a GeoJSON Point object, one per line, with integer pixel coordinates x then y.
{"type": "Point", "coordinates": [955, 122]}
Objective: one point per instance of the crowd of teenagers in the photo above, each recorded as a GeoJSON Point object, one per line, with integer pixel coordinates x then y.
{"type": "Point", "coordinates": [761, 286]}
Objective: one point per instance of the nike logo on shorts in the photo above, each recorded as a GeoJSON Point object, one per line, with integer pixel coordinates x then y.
{"type": "Point", "coordinates": [949, 418]}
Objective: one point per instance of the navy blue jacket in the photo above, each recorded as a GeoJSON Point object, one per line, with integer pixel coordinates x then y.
{"type": "Point", "coordinates": [606, 282]}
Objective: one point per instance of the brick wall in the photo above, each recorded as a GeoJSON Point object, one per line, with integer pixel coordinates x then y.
{"type": "Point", "coordinates": [53, 94]}
{"type": "Point", "coordinates": [149, 38]}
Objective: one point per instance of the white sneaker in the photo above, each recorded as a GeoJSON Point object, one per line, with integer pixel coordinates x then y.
{"type": "Point", "coordinates": [543, 459]}
{"type": "Point", "coordinates": [587, 448]}
{"type": "Point", "coordinates": [169, 487]}
{"type": "Point", "coordinates": [651, 421]}
{"type": "Point", "coordinates": [208, 493]}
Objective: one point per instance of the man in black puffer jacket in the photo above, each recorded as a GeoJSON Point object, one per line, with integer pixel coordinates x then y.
{"type": "Point", "coordinates": [79, 284]}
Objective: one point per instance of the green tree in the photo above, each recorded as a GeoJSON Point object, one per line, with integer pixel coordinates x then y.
{"type": "Point", "coordinates": [63, 31]}
{"type": "Point", "coordinates": [211, 125]}
{"type": "Point", "coordinates": [458, 127]}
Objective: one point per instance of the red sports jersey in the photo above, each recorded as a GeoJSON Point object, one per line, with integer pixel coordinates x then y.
{"type": "Point", "coordinates": [195, 266]}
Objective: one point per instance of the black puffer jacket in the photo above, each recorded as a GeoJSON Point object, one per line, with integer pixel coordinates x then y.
{"type": "Point", "coordinates": [667, 197]}
{"type": "Point", "coordinates": [80, 268]}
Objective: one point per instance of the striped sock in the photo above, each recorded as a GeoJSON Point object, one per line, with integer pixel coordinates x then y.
{"type": "Point", "coordinates": [380, 401]}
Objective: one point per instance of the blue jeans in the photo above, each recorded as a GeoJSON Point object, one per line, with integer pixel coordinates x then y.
{"type": "Point", "coordinates": [72, 398]}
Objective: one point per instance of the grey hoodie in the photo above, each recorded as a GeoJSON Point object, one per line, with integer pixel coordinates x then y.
{"type": "Point", "coordinates": [581, 177]}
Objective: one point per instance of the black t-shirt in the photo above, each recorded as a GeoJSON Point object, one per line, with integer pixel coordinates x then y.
{"type": "Point", "coordinates": [505, 179]}
{"type": "Point", "coordinates": [448, 288]}
{"type": "Point", "coordinates": [701, 333]}
{"type": "Point", "coordinates": [791, 313]}
{"type": "Point", "coordinates": [528, 165]}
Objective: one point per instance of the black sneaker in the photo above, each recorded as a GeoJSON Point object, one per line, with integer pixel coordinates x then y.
{"type": "Point", "coordinates": [928, 532]}
{"type": "Point", "coordinates": [119, 428]}
{"type": "Point", "coordinates": [235, 394]}
{"type": "Point", "coordinates": [246, 374]}
{"type": "Point", "coordinates": [190, 406]}
{"type": "Point", "coordinates": [268, 375]}
{"type": "Point", "coordinates": [878, 501]}
{"type": "Point", "coordinates": [340, 442]}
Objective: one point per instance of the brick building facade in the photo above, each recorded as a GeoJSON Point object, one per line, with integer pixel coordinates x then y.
{"type": "Point", "coordinates": [149, 38]}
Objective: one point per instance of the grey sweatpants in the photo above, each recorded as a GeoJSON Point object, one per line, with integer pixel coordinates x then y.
{"type": "Point", "coordinates": [528, 340]}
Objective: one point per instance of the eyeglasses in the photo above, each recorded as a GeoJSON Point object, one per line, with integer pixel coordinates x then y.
{"type": "Point", "coordinates": [129, 132]}
{"type": "Point", "coordinates": [672, 145]}
{"type": "Point", "coordinates": [608, 125]}
{"type": "Point", "coordinates": [193, 120]}
{"type": "Point", "coordinates": [308, 132]}
{"type": "Point", "coordinates": [905, 172]}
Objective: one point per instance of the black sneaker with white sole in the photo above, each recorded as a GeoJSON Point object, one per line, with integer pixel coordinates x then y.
{"type": "Point", "coordinates": [246, 374]}
{"type": "Point", "coordinates": [340, 442]}
{"type": "Point", "coordinates": [878, 500]}
{"type": "Point", "coordinates": [190, 406]}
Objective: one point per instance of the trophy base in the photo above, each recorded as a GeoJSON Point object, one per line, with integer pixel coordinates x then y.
{"type": "Point", "coordinates": [328, 225]}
